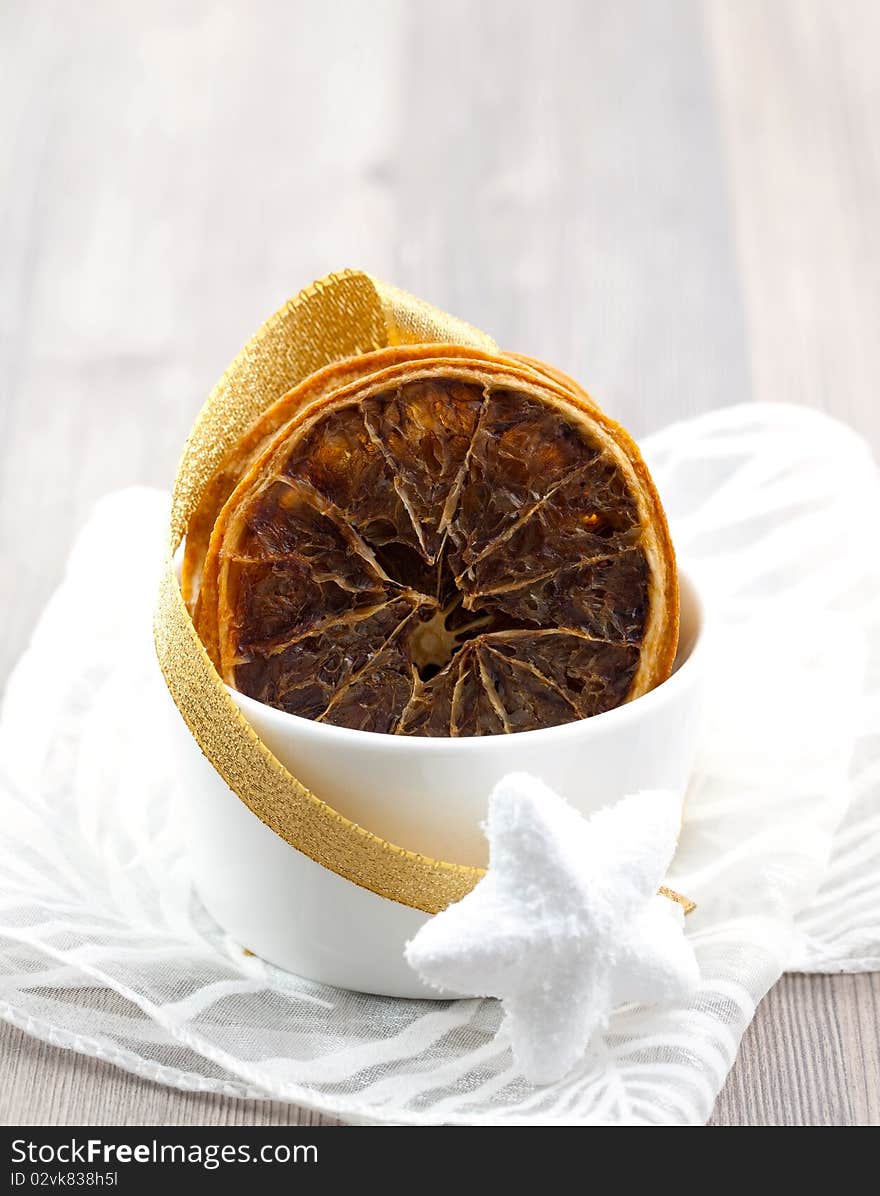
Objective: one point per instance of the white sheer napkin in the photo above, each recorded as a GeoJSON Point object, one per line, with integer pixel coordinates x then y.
{"type": "Point", "coordinates": [105, 949]}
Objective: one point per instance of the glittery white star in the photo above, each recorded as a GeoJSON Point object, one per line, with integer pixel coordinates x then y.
{"type": "Point", "coordinates": [567, 922]}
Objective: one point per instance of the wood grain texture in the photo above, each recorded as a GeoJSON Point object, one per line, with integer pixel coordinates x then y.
{"type": "Point", "coordinates": [798, 97]}
{"type": "Point", "coordinates": [810, 1056]}
{"type": "Point", "coordinates": [677, 203]}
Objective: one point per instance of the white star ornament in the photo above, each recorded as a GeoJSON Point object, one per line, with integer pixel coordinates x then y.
{"type": "Point", "coordinates": [566, 924]}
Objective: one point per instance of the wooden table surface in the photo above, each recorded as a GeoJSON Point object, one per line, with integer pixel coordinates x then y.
{"type": "Point", "coordinates": [677, 203]}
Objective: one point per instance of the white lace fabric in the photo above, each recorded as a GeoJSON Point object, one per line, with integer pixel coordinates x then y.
{"type": "Point", "coordinates": [105, 949]}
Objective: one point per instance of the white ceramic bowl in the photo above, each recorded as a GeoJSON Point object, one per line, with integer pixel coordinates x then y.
{"type": "Point", "coordinates": [425, 794]}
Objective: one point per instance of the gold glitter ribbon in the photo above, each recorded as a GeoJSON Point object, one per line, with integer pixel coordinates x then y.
{"type": "Point", "coordinates": [340, 316]}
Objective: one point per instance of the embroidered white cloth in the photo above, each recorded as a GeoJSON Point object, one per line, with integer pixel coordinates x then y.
{"type": "Point", "coordinates": [104, 949]}
{"type": "Point", "coordinates": [567, 923]}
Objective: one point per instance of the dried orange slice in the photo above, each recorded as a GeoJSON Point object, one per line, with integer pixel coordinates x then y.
{"type": "Point", "coordinates": [434, 541]}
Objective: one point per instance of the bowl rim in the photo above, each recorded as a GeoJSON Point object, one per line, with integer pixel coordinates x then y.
{"type": "Point", "coordinates": [685, 673]}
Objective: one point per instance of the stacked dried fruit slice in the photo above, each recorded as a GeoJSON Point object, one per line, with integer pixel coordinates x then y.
{"type": "Point", "coordinates": [434, 541]}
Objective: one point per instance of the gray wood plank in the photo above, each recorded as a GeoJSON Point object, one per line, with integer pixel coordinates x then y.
{"type": "Point", "coordinates": [798, 94]}
{"type": "Point", "coordinates": [586, 220]}
{"type": "Point", "coordinates": [178, 171]}
{"type": "Point", "coordinates": [810, 1057]}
